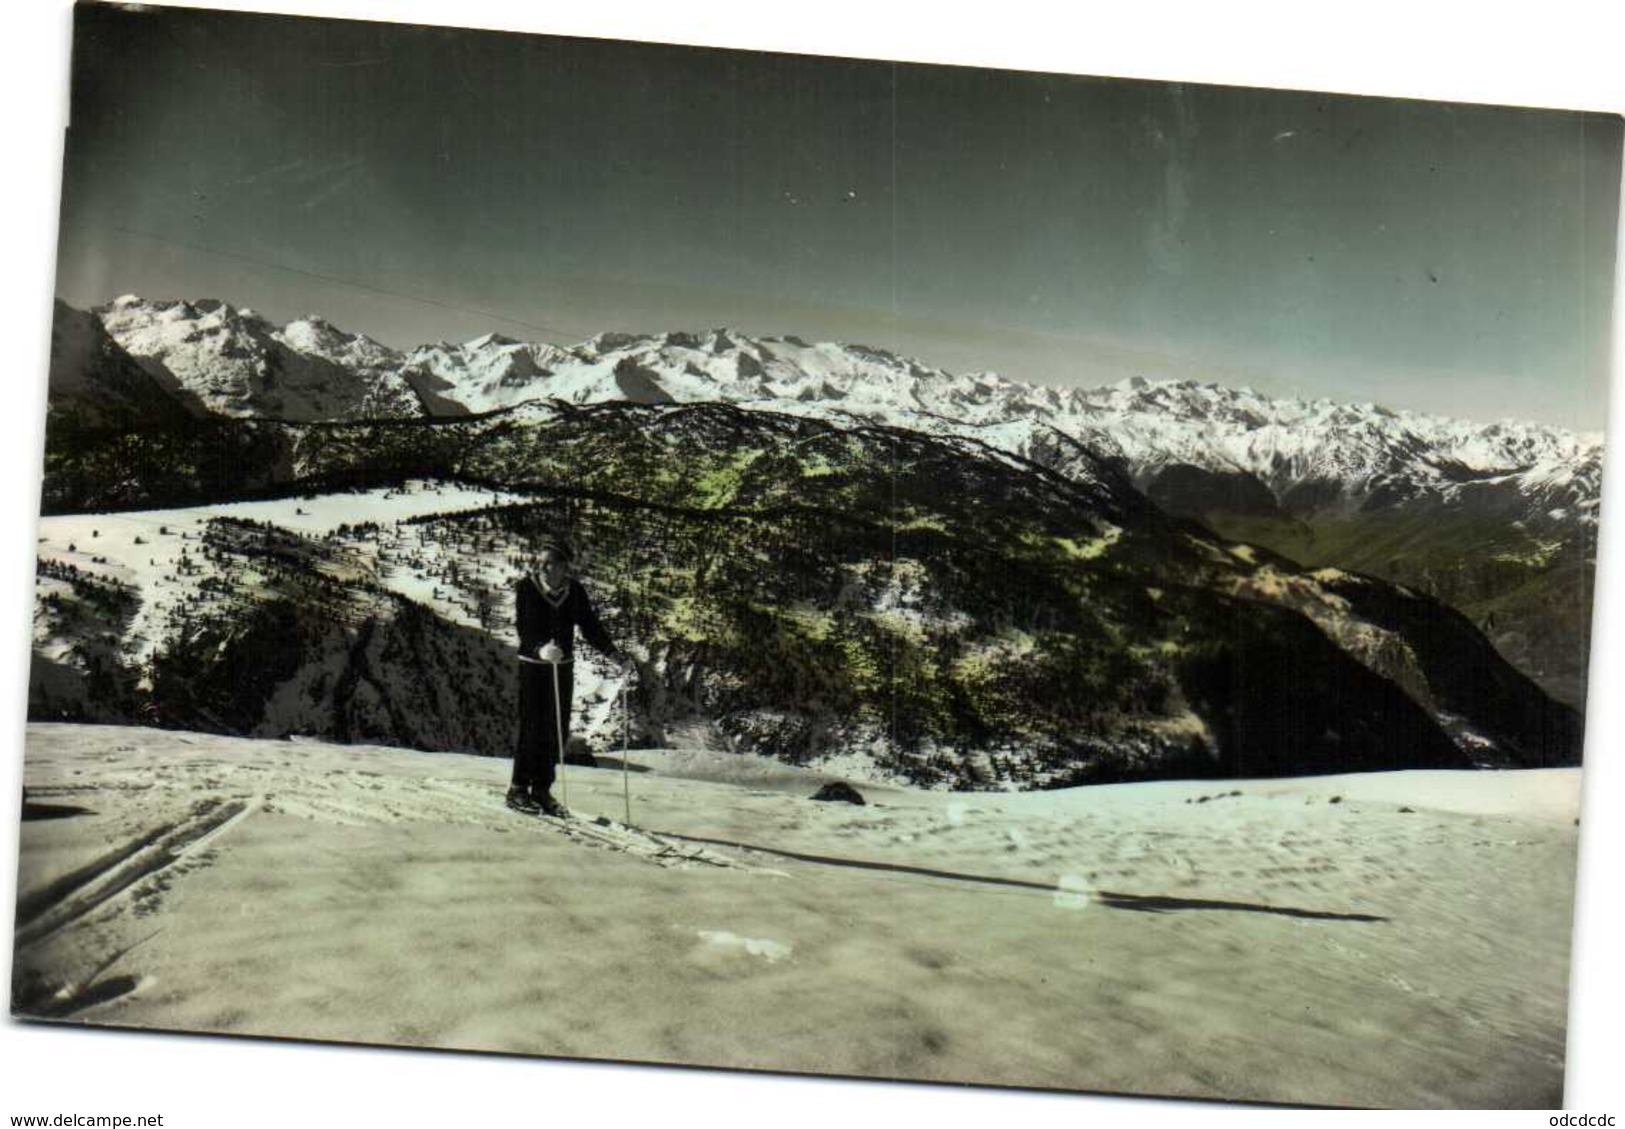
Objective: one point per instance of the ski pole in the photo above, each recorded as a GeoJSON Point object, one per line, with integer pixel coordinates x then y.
{"type": "Point", "coordinates": [626, 747]}
{"type": "Point", "coordinates": [558, 725]}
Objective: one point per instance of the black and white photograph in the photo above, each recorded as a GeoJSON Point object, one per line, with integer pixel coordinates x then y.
{"type": "Point", "coordinates": [565, 546]}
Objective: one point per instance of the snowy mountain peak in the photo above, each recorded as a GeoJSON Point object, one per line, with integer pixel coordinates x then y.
{"type": "Point", "coordinates": [610, 341]}
{"type": "Point", "coordinates": [488, 341]}
{"type": "Point", "coordinates": [722, 339]}
{"type": "Point", "coordinates": [236, 363]}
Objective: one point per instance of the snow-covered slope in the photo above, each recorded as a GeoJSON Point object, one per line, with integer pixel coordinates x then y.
{"type": "Point", "coordinates": [1391, 940]}
{"type": "Point", "coordinates": [159, 554]}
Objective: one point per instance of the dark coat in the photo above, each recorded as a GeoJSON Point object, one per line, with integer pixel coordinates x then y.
{"type": "Point", "coordinates": [541, 727]}
{"type": "Point", "coordinates": [545, 620]}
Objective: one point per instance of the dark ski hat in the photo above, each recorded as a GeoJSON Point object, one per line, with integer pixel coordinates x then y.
{"type": "Point", "coordinates": [549, 543]}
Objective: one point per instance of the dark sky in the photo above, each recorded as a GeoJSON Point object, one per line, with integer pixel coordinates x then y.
{"type": "Point", "coordinates": [418, 184]}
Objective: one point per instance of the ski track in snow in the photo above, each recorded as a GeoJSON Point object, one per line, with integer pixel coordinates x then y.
{"type": "Point", "coordinates": [58, 906]}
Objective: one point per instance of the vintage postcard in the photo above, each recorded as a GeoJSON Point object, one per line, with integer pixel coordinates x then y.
{"type": "Point", "coordinates": [601, 550]}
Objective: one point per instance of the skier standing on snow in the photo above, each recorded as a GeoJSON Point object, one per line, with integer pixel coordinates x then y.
{"type": "Point", "coordinates": [549, 604]}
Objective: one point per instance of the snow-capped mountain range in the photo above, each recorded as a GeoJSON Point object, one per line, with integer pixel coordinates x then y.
{"type": "Point", "coordinates": [1312, 455]}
